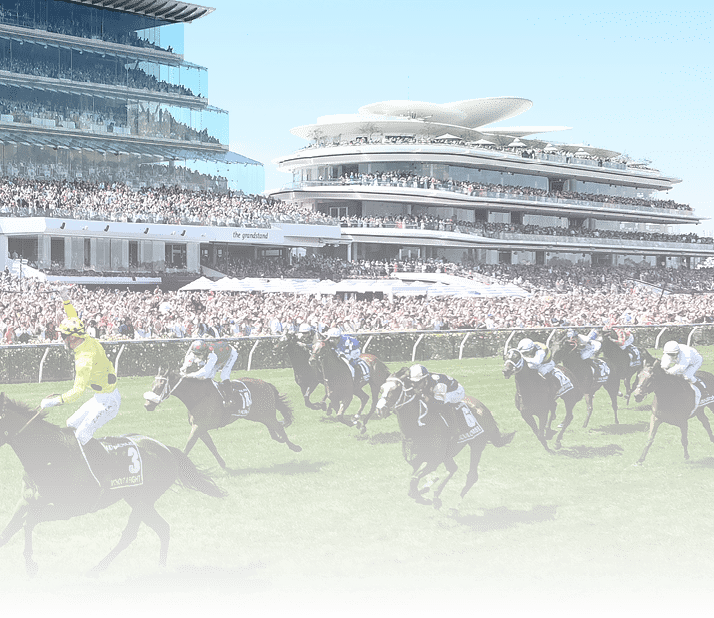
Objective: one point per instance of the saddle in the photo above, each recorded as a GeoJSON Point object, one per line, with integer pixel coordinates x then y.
{"type": "Point", "coordinates": [458, 417]}
{"type": "Point", "coordinates": [702, 394]}
{"type": "Point", "coordinates": [114, 461]}
{"type": "Point", "coordinates": [361, 377]}
{"type": "Point", "coordinates": [559, 383]}
{"type": "Point", "coordinates": [634, 354]}
{"type": "Point", "coordinates": [600, 369]}
{"type": "Point", "coordinates": [236, 396]}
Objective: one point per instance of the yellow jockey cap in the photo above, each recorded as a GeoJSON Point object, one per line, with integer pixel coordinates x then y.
{"type": "Point", "coordinates": [72, 326]}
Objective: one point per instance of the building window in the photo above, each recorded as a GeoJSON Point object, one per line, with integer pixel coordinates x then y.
{"type": "Point", "coordinates": [133, 254]}
{"type": "Point", "coordinates": [175, 256]}
{"type": "Point", "coordinates": [87, 252]}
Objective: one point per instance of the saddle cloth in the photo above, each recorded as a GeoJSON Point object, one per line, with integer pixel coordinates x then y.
{"type": "Point", "coordinates": [467, 424]}
{"type": "Point", "coordinates": [363, 378]}
{"type": "Point", "coordinates": [565, 384]}
{"type": "Point", "coordinates": [122, 464]}
{"type": "Point", "coordinates": [236, 396]}
{"type": "Point", "coordinates": [601, 371]}
{"type": "Point", "coordinates": [702, 396]}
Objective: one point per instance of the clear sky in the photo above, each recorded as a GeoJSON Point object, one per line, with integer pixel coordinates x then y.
{"type": "Point", "coordinates": [635, 77]}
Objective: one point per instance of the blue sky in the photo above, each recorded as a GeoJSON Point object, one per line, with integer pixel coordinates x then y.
{"type": "Point", "coordinates": [634, 77]}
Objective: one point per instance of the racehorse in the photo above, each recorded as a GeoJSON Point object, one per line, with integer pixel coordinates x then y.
{"type": "Point", "coordinates": [426, 447]}
{"type": "Point", "coordinates": [534, 399]}
{"type": "Point", "coordinates": [58, 484]}
{"type": "Point", "coordinates": [673, 401]}
{"type": "Point", "coordinates": [340, 385]}
{"type": "Point", "coordinates": [207, 411]}
{"type": "Point", "coordinates": [307, 377]}
{"type": "Point", "coordinates": [564, 352]}
{"type": "Point", "coordinates": [619, 361]}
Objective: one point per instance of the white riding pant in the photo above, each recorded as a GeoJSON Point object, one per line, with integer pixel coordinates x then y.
{"type": "Point", "coordinates": [228, 367]}
{"type": "Point", "coordinates": [100, 409]}
{"type": "Point", "coordinates": [454, 396]}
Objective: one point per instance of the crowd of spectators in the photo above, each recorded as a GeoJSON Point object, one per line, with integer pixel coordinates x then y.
{"type": "Point", "coordinates": [22, 197]}
{"type": "Point", "coordinates": [409, 179]}
{"type": "Point", "coordinates": [581, 296]}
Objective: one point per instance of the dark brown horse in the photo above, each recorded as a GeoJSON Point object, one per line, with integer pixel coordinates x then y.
{"type": "Point", "coordinates": [307, 377]}
{"type": "Point", "coordinates": [565, 352]}
{"type": "Point", "coordinates": [340, 385]}
{"type": "Point", "coordinates": [58, 484]}
{"type": "Point", "coordinates": [206, 410]}
{"type": "Point", "coordinates": [619, 361]}
{"type": "Point", "coordinates": [673, 401]}
{"type": "Point", "coordinates": [535, 401]}
{"type": "Point", "coordinates": [426, 447]}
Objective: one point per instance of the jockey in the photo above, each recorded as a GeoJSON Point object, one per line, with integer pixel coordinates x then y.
{"type": "Point", "coordinates": [681, 360]}
{"type": "Point", "coordinates": [348, 349]}
{"type": "Point", "coordinates": [305, 335]}
{"type": "Point", "coordinates": [537, 356]}
{"type": "Point", "coordinates": [210, 356]}
{"type": "Point", "coordinates": [587, 345]}
{"type": "Point", "coordinates": [439, 388]}
{"type": "Point", "coordinates": [625, 339]}
{"type": "Point", "coordinates": [92, 370]}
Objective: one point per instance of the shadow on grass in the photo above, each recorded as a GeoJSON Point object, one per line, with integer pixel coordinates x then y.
{"type": "Point", "coordinates": [287, 469]}
{"type": "Point", "coordinates": [707, 462]}
{"type": "Point", "coordinates": [622, 429]}
{"type": "Point", "coordinates": [503, 517]}
{"type": "Point", "coordinates": [590, 452]}
{"type": "Point", "coordinates": [391, 437]}
{"type": "Point", "coordinates": [184, 578]}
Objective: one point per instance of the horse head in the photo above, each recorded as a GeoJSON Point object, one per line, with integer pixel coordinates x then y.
{"type": "Point", "coordinates": [562, 347]}
{"type": "Point", "coordinates": [513, 363]}
{"type": "Point", "coordinates": [319, 349]}
{"type": "Point", "coordinates": [395, 392]}
{"type": "Point", "coordinates": [646, 378]}
{"type": "Point", "coordinates": [163, 384]}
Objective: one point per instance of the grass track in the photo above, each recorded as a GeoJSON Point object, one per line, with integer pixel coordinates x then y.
{"type": "Point", "coordinates": [331, 531]}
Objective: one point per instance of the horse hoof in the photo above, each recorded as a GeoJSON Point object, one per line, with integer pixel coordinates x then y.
{"type": "Point", "coordinates": [295, 448]}
{"type": "Point", "coordinates": [436, 503]}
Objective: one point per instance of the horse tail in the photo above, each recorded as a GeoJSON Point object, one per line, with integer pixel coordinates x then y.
{"type": "Point", "coordinates": [282, 404]}
{"type": "Point", "coordinates": [192, 477]}
{"type": "Point", "coordinates": [489, 424]}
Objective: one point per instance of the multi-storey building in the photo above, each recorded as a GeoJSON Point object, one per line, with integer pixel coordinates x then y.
{"type": "Point", "coordinates": [427, 180]}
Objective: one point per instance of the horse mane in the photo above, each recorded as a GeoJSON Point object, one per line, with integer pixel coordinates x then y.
{"type": "Point", "coordinates": [24, 409]}
{"type": "Point", "coordinates": [402, 373]}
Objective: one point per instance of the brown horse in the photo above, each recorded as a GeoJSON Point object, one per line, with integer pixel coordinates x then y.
{"type": "Point", "coordinates": [307, 377]}
{"type": "Point", "coordinates": [340, 385]}
{"type": "Point", "coordinates": [58, 484]}
{"type": "Point", "coordinates": [564, 352]}
{"type": "Point", "coordinates": [673, 401]}
{"type": "Point", "coordinates": [207, 411]}
{"type": "Point", "coordinates": [427, 446]}
{"type": "Point", "coordinates": [535, 401]}
{"type": "Point", "coordinates": [619, 361]}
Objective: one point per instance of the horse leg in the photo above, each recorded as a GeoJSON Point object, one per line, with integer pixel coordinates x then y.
{"type": "Point", "coordinates": [701, 415]}
{"type": "Point", "coordinates": [566, 422]}
{"type": "Point", "coordinates": [208, 441]}
{"type": "Point", "coordinates": [278, 433]}
{"type": "Point", "coordinates": [612, 389]}
{"type": "Point", "coordinates": [419, 473]}
{"type": "Point", "coordinates": [128, 535]}
{"type": "Point", "coordinates": [16, 522]}
{"type": "Point", "coordinates": [654, 426]}
{"type": "Point", "coordinates": [30, 522]}
{"type": "Point", "coordinates": [589, 404]}
{"type": "Point", "coordinates": [472, 476]}
{"type": "Point", "coordinates": [539, 432]}
{"type": "Point", "coordinates": [158, 524]}
{"type": "Point", "coordinates": [451, 469]}
{"type": "Point", "coordinates": [363, 399]}
{"type": "Point", "coordinates": [192, 438]}
{"type": "Point", "coordinates": [684, 428]}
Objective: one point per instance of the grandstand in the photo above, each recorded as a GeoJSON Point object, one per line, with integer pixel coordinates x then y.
{"type": "Point", "coordinates": [438, 181]}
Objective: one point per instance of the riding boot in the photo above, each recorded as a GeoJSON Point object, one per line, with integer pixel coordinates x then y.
{"type": "Point", "coordinates": [96, 457]}
{"type": "Point", "coordinates": [226, 391]}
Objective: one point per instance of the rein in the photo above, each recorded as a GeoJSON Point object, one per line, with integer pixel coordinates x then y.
{"type": "Point", "coordinates": [37, 413]}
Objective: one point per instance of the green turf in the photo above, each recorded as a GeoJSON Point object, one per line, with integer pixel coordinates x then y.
{"type": "Point", "coordinates": [331, 530]}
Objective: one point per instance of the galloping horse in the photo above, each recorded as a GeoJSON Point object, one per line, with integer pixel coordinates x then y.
{"type": "Point", "coordinates": [58, 483]}
{"type": "Point", "coordinates": [619, 362]}
{"type": "Point", "coordinates": [207, 411]}
{"type": "Point", "coordinates": [426, 447]}
{"type": "Point", "coordinates": [535, 401]}
{"type": "Point", "coordinates": [307, 377]}
{"type": "Point", "coordinates": [564, 352]}
{"type": "Point", "coordinates": [673, 401]}
{"type": "Point", "coordinates": [340, 385]}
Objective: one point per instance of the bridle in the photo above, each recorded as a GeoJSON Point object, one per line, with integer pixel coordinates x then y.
{"type": "Point", "coordinates": [17, 433]}
{"type": "Point", "coordinates": [403, 398]}
{"type": "Point", "coordinates": [515, 365]}
{"type": "Point", "coordinates": [165, 392]}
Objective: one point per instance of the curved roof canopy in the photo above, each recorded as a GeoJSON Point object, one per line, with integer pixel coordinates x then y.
{"type": "Point", "coordinates": [463, 119]}
{"type": "Point", "coordinates": [167, 10]}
